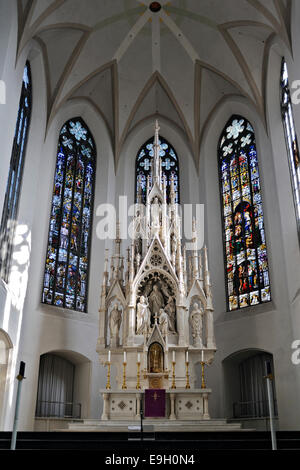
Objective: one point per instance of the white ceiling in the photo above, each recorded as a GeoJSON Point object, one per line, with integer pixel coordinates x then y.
{"type": "Point", "coordinates": [130, 63]}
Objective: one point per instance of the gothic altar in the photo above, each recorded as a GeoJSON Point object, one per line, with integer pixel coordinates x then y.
{"type": "Point", "coordinates": [156, 318]}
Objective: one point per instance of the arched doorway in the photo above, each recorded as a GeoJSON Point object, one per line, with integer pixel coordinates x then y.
{"type": "Point", "coordinates": [246, 395]}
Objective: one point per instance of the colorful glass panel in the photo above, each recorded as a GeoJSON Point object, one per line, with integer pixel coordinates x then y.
{"type": "Point", "coordinates": [169, 165]}
{"type": "Point", "coordinates": [246, 261]}
{"type": "Point", "coordinates": [291, 139]}
{"type": "Point", "coordinates": [11, 202]}
{"type": "Point", "coordinates": [66, 271]}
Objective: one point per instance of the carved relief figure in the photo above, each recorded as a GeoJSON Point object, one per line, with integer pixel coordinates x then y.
{"type": "Point", "coordinates": [155, 213]}
{"type": "Point", "coordinates": [170, 310]}
{"type": "Point", "coordinates": [142, 316]}
{"type": "Point", "coordinates": [115, 323]}
{"type": "Point", "coordinates": [163, 322]}
{"type": "Point", "coordinates": [156, 300]}
{"type": "Point", "coordinates": [196, 321]}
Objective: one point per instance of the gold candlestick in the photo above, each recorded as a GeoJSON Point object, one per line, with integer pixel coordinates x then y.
{"type": "Point", "coordinates": [187, 385]}
{"type": "Point", "coordinates": [173, 375]}
{"type": "Point", "coordinates": [108, 375]}
{"type": "Point", "coordinates": [203, 385]}
{"type": "Point", "coordinates": [124, 386]}
{"type": "Point", "coordinates": [138, 384]}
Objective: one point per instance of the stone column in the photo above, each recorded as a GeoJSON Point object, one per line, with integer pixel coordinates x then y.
{"type": "Point", "coordinates": [131, 325]}
{"type": "Point", "coordinates": [138, 405]}
{"type": "Point", "coordinates": [172, 407]}
{"type": "Point", "coordinates": [205, 406]}
{"type": "Point", "coordinates": [105, 413]}
{"type": "Point", "coordinates": [181, 325]}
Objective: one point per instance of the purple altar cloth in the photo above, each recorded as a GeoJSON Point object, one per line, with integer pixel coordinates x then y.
{"type": "Point", "coordinates": [155, 403]}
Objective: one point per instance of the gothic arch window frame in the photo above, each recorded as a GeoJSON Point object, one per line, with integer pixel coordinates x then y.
{"type": "Point", "coordinates": [74, 134]}
{"type": "Point", "coordinates": [15, 175]}
{"type": "Point", "coordinates": [238, 139]}
{"type": "Point", "coordinates": [169, 159]}
{"type": "Point", "coordinates": [291, 139]}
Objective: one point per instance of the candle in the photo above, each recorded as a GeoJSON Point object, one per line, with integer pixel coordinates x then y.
{"type": "Point", "coordinates": [139, 357]}
{"type": "Point", "coordinates": [187, 356]}
{"type": "Point", "coordinates": [109, 353]}
{"type": "Point", "coordinates": [202, 356]}
{"type": "Point", "coordinates": [173, 356]}
{"type": "Point", "coordinates": [124, 356]}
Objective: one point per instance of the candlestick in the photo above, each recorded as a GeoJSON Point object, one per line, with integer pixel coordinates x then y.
{"type": "Point", "coordinates": [138, 384]}
{"type": "Point", "coordinates": [187, 385]}
{"type": "Point", "coordinates": [139, 357]}
{"type": "Point", "coordinates": [124, 386]}
{"type": "Point", "coordinates": [124, 356]}
{"type": "Point", "coordinates": [108, 375]}
{"type": "Point", "coordinates": [173, 373]}
{"type": "Point", "coordinates": [173, 356]}
{"type": "Point", "coordinates": [187, 356]}
{"type": "Point", "coordinates": [202, 356]}
{"type": "Point", "coordinates": [109, 355]}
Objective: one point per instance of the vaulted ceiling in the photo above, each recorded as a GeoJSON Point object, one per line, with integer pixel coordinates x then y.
{"type": "Point", "coordinates": [131, 63]}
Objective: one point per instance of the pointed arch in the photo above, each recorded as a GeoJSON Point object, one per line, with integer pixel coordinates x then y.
{"type": "Point", "coordinates": [14, 181]}
{"type": "Point", "coordinates": [68, 251]}
{"type": "Point", "coordinates": [245, 250]}
{"type": "Point", "coordinates": [169, 163]}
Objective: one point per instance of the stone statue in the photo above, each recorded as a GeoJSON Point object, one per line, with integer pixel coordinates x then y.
{"type": "Point", "coordinates": [170, 310]}
{"type": "Point", "coordinates": [114, 324]}
{"type": "Point", "coordinates": [196, 321]}
{"type": "Point", "coordinates": [142, 316]}
{"type": "Point", "coordinates": [163, 322]}
{"type": "Point", "coordinates": [156, 300]}
{"type": "Point", "coordinates": [155, 213]}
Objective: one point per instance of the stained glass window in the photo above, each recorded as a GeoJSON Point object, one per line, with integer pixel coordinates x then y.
{"type": "Point", "coordinates": [14, 182]}
{"type": "Point", "coordinates": [169, 164]}
{"type": "Point", "coordinates": [291, 139]}
{"type": "Point", "coordinates": [246, 260]}
{"type": "Point", "coordinates": [66, 271]}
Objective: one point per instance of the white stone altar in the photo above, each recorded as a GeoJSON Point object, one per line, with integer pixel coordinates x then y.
{"type": "Point", "coordinates": [159, 310]}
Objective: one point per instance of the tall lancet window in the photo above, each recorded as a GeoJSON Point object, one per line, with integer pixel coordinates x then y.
{"type": "Point", "coordinates": [291, 139]}
{"type": "Point", "coordinates": [14, 182]}
{"type": "Point", "coordinates": [169, 165]}
{"type": "Point", "coordinates": [246, 261]}
{"type": "Point", "coordinates": [67, 261]}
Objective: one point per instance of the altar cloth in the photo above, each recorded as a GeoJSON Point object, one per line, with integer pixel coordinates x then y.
{"type": "Point", "coordinates": [155, 403]}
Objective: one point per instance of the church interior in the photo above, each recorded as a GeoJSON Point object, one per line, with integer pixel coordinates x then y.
{"type": "Point", "coordinates": [150, 214]}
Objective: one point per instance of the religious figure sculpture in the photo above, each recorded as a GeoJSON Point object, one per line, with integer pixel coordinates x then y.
{"type": "Point", "coordinates": [163, 322]}
{"type": "Point", "coordinates": [142, 316]}
{"type": "Point", "coordinates": [114, 324]}
{"type": "Point", "coordinates": [156, 300]}
{"type": "Point", "coordinates": [155, 213]}
{"type": "Point", "coordinates": [196, 321]}
{"type": "Point", "coordinates": [170, 310]}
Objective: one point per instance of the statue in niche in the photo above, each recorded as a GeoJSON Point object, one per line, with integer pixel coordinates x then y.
{"type": "Point", "coordinates": [163, 322]}
{"type": "Point", "coordinates": [196, 321]}
{"type": "Point", "coordinates": [142, 316]}
{"type": "Point", "coordinates": [155, 358]}
{"type": "Point", "coordinates": [114, 324]}
{"type": "Point", "coordinates": [155, 213]}
{"type": "Point", "coordinates": [156, 300]}
{"type": "Point", "coordinates": [170, 310]}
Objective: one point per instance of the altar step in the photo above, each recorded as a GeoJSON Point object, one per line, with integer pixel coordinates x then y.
{"type": "Point", "coordinates": [157, 424]}
{"type": "Point", "coordinates": [164, 441]}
